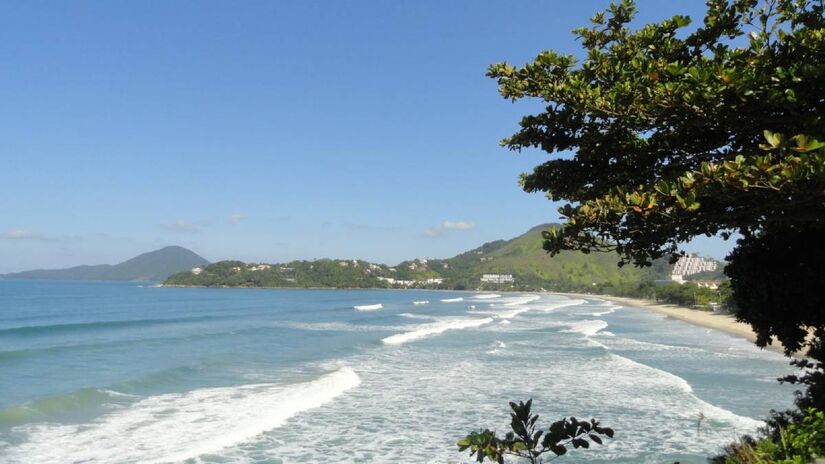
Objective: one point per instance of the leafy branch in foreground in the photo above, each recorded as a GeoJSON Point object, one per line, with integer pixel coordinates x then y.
{"type": "Point", "coordinates": [525, 441]}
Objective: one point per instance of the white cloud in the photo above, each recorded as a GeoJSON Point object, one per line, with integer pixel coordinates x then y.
{"type": "Point", "coordinates": [236, 218]}
{"type": "Point", "coordinates": [440, 229]}
{"type": "Point", "coordinates": [179, 226]}
{"type": "Point", "coordinates": [458, 225]}
{"type": "Point", "coordinates": [19, 234]}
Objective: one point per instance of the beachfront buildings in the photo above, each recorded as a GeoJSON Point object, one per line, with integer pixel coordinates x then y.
{"type": "Point", "coordinates": [410, 283]}
{"type": "Point", "coordinates": [403, 283]}
{"type": "Point", "coordinates": [497, 278]}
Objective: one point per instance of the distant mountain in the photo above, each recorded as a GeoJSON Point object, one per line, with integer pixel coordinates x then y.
{"type": "Point", "coordinates": [522, 257]}
{"type": "Point", "coordinates": [152, 266]}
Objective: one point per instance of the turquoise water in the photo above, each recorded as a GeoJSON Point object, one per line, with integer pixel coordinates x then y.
{"type": "Point", "coordinates": [121, 373]}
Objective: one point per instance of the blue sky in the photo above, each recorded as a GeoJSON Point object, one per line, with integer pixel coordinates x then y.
{"type": "Point", "coordinates": [269, 130]}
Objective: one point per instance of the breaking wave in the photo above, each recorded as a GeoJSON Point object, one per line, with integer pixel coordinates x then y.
{"type": "Point", "coordinates": [435, 328]}
{"type": "Point", "coordinates": [371, 307]}
{"type": "Point", "coordinates": [180, 426]}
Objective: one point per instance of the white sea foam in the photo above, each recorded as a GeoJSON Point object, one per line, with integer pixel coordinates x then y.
{"type": "Point", "coordinates": [334, 326]}
{"type": "Point", "coordinates": [587, 328]}
{"type": "Point", "coordinates": [660, 408]}
{"type": "Point", "coordinates": [435, 328]}
{"type": "Point", "coordinates": [509, 314]}
{"type": "Point", "coordinates": [662, 380]}
{"type": "Point", "coordinates": [560, 304]}
{"type": "Point", "coordinates": [486, 296]}
{"type": "Point", "coordinates": [180, 426]}
{"type": "Point", "coordinates": [609, 310]}
{"type": "Point", "coordinates": [680, 351]}
{"type": "Point", "coordinates": [711, 412]}
{"type": "Point", "coordinates": [523, 300]}
{"type": "Point", "coordinates": [452, 300]}
{"type": "Point", "coordinates": [421, 302]}
{"type": "Point", "coordinates": [416, 316]}
{"type": "Point", "coordinates": [371, 307]}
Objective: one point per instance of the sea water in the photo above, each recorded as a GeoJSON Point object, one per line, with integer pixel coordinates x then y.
{"type": "Point", "coordinates": [128, 373]}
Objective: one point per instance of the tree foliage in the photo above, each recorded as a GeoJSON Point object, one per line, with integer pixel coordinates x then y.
{"type": "Point", "coordinates": [666, 132]}
{"type": "Point", "coordinates": [799, 443]}
{"type": "Point", "coordinates": [526, 442]}
{"type": "Point", "coordinates": [678, 134]}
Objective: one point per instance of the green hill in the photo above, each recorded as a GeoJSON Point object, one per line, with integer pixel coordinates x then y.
{"type": "Point", "coordinates": [152, 266]}
{"type": "Point", "coordinates": [531, 267]}
{"type": "Point", "coordinates": [522, 257]}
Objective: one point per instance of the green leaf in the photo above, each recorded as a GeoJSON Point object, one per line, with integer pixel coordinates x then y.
{"type": "Point", "coordinates": [773, 138]}
{"type": "Point", "coordinates": [559, 450]}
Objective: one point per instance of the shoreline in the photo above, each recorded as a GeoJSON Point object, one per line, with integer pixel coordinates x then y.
{"type": "Point", "coordinates": [722, 322]}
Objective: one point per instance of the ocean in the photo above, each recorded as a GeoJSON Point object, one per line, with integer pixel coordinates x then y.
{"type": "Point", "coordinates": [96, 372]}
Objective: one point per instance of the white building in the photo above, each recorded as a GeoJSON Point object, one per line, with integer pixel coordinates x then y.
{"type": "Point", "coordinates": [497, 278]}
{"type": "Point", "coordinates": [197, 270]}
{"type": "Point", "coordinates": [689, 265]}
{"type": "Point", "coordinates": [404, 283]}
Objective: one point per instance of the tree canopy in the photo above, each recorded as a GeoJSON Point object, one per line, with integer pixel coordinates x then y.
{"type": "Point", "coordinates": [665, 132]}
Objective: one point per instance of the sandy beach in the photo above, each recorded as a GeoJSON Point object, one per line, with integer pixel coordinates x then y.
{"type": "Point", "coordinates": [722, 322]}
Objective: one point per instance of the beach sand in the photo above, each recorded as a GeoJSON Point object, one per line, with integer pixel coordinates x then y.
{"type": "Point", "coordinates": [722, 322]}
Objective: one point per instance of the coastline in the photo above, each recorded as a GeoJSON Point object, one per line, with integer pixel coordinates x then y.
{"type": "Point", "coordinates": [721, 322]}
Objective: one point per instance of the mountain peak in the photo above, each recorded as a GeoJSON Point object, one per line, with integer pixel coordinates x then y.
{"type": "Point", "coordinates": [154, 265]}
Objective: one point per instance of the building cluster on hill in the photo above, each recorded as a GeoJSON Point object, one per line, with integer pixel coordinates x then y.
{"type": "Point", "coordinates": [410, 283]}
{"type": "Point", "coordinates": [689, 265]}
{"type": "Point", "coordinates": [497, 278]}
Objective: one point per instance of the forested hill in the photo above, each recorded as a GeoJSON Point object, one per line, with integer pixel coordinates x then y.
{"type": "Point", "coordinates": [521, 257]}
{"type": "Point", "coordinates": [152, 266]}
{"type": "Point", "coordinates": [524, 258]}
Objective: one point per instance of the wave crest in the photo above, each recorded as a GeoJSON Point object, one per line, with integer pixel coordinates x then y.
{"type": "Point", "coordinates": [435, 328]}
{"type": "Point", "coordinates": [180, 426]}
